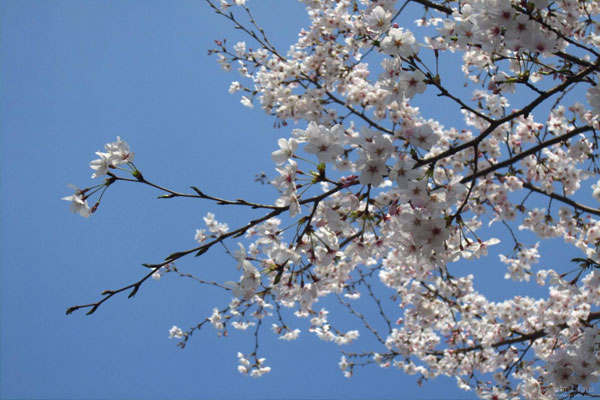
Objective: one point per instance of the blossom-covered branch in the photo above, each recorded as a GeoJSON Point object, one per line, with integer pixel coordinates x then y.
{"type": "Point", "coordinates": [380, 199]}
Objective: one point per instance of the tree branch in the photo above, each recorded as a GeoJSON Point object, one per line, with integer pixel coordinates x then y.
{"type": "Point", "coordinates": [523, 338]}
{"type": "Point", "coordinates": [528, 152]}
{"type": "Point", "coordinates": [524, 111]}
{"type": "Point", "coordinates": [203, 249]}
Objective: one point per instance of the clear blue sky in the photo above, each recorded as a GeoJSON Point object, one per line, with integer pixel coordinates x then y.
{"type": "Point", "coordinates": [73, 76]}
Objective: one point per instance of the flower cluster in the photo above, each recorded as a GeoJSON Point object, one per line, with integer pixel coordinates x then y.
{"type": "Point", "coordinates": [117, 153]}
{"type": "Point", "coordinates": [255, 370]}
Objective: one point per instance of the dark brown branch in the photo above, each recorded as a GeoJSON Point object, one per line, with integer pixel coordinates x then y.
{"type": "Point", "coordinates": [377, 301]}
{"type": "Point", "coordinates": [199, 194]}
{"type": "Point", "coordinates": [110, 293]}
{"type": "Point", "coordinates": [352, 110]}
{"type": "Point", "coordinates": [444, 92]}
{"type": "Point", "coordinates": [528, 152]}
{"type": "Point", "coordinates": [362, 318]}
{"type": "Point", "coordinates": [573, 59]}
{"type": "Point", "coordinates": [204, 248]}
{"type": "Point", "coordinates": [563, 199]}
{"type": "Point", "coordinates": [263, 42]}
{"type": "Point", "coordinates": [524, 111]}
{"type": "Point", "coordinates": [435, 6]}
{"type": "Point", "coordinates": [202, 281]}
{"type": "Point", "coordinates": [521, 339]}
{"type": "Point", "coordinates": [464, 203]}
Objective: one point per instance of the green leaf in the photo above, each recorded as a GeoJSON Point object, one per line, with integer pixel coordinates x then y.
{"type": "Point", "coordinates": [578, 260]}
{"type": "Point", "coordinates": [71, 309]}
{"type": "Point", "coordinates": [175, 256]}
{"type": "Point", "coordinates": [138, 175]}
{"type": "Point", "coordinates": [202, 250]}
{"type": "Point", "coordinates": [278, 276]}
{"type": "Point", "coordinates": [195, 189]}
{"type": "Point", "coordinates": [240, 233]}
{"type": "Point", "coordinates": [93, 310]}
{"type": "Point", "coordinates": [133, 292]}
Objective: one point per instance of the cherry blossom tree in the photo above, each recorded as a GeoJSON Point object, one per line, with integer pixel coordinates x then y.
{"type": "Point", "coordinates": [378, 199]}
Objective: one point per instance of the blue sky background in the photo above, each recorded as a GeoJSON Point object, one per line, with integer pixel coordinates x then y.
{"type": "Point", "coordinates": [73, 76]}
